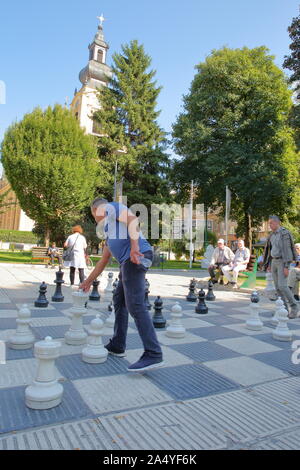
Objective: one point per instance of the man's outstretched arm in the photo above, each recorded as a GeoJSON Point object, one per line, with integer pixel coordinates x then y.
{"type": "Point", "coordinates": [85, 286]}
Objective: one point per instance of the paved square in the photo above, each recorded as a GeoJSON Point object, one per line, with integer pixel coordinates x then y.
{"type": "Point", "coordinates": [222, 386]}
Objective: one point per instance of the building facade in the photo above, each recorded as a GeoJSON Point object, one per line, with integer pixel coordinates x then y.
{"type": "Point", "coordinates": [12, 217]}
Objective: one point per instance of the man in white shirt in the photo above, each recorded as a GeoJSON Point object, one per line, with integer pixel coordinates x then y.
{"type": "Point", "coordinates": [241, 259]}
{"type": "Point", "coordinates": [221, 257]}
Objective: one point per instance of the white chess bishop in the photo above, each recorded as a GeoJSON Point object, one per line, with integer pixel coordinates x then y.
{"type": "Point", "coordinates": [45, 392]}
{"type": "Point", "coordinates": [23, 338]}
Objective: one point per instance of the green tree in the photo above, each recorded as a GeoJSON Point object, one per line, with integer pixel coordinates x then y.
{"type": "Point", "coordinates": [130, 132]}
{"type": "Point", "coordinates": [234, 131]}
{"type": "Point", "coordinates": [292, 61]}
{"type": "Point", "coordinates": [52, 167]}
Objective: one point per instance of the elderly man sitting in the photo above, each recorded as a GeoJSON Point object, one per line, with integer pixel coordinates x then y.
{"type": "Point", "coordinates": [241, 259]}
{"type": "Point", "coordinates": [294, 274]}
{"type": "Point", "coordinates": [222, 256]}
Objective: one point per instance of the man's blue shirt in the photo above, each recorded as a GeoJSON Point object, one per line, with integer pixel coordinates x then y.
{"type": "Point", "coordinates": [117, 236]}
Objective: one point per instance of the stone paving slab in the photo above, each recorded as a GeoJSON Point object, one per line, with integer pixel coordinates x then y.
{"type": "Point", "coordinates": [246, 370]}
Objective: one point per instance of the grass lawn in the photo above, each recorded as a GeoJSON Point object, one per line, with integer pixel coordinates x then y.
{"type": "Point", "coordinates": [25, 257]}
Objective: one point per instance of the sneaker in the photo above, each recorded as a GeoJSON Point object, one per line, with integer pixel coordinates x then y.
{"type": "Point", "coordinates": [146, 363]}
{"type": "Point", "coordinates": [296, 297]}
{"type": "Point", "coordinates": [234, 285]}
{"type": "Point", "coordinates": [114, 352]}
{"type": "Point", "coordinates": [294, 313]}
{"type": "Point", "coordinates": [221, 282]}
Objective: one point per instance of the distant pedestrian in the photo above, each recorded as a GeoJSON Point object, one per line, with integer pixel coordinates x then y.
{"type": "Point", "coordinates": [53, 253]}
{"type": "Point", "coordinates": [77, 243]}
{"type": "Point", "coordinates": [294, 275]}
{"type": "Point", "coordinates": [279, 253]}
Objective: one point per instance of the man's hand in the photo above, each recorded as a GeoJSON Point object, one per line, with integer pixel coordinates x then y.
{"type": "Point", "coordinates": [134, 256]}
{"type": "Point", "coordinates": [268, 269]}
{"type": "Point", "coordinates": [286, 272]}
{"type": "Point", "coordinates": [86, 285]}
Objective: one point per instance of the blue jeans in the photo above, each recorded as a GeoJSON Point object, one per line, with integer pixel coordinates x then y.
{"type": "Point", "coordinates": [129, 296]}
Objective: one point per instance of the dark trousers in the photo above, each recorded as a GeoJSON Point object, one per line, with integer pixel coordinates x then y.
{"type": "Point", "coordinates": [129, 296]}
{"type": "Point", "coordinates": [211, 270]}
{"type": "Point", "coordinates": [52, 257]}
{"type": "Point", "coordinates": [72, 274]}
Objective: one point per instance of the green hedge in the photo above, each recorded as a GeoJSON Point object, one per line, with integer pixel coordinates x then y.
{"type": "Point", "coordinates": [18, 236]}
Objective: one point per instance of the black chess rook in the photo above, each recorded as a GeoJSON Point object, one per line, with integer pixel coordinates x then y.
{"type": "Point", "coordinates": [95, 296]}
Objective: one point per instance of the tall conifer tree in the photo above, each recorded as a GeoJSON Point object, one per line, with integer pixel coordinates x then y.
{"type": "Point", "coordinates": [130, 132]}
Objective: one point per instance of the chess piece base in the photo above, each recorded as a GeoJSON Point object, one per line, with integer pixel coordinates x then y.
{"type": "Point", "coordinates": [42, 396]}
{"type": "Point", "coordinates": [94, 356]}
{"type": "Point", "coordinates": [41, 304]}
{"type": "Point", "coordinates": [180, 333]}
{"type": "Point", "coordinates": [286, 336]}
{"type": "Point", "coordinates": [254, 326]}
{"type": "Point", "coordinates": [18, 345]}
{"type": "Point", "coordinates": [75, 339]}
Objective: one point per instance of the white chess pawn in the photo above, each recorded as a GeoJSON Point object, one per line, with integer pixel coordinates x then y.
{"type": "Point", "coordinates": [76, 334]}
{"type": "Point", "coordinates": [282, 333]}
{"type": "Point", "coordinates": [253, 321]}
{"type": "Point", "coordinates": [94, 352]}
{"type": "Point", "coordinates": [109, 287]}
{"type": "Point", "coordinates": [176, 329]}
{"type": "Point", "coordinates": [270, 284]}
{"type": "Point", "coordinates": [23, 338]}
{"type": "Point", "coordinates": [110, 321]}
{"type": "Point", "coordinates": [45, 392]}
{"type": "Point", "coordinates": [279, 305]}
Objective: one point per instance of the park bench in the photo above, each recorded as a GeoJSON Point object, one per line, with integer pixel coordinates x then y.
{"type": "Point", "coordinates": [250, 272]}
{"type": "Point", "coordinates": [40, 252]}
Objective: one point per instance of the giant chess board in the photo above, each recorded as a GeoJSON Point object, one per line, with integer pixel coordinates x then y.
{"type": "Point", "coordinates": [222, 385]}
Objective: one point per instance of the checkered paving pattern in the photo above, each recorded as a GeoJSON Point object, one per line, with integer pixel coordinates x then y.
{"type": "Point", "coordinates": [213, 358]}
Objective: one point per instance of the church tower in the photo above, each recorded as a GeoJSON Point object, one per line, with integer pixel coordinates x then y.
{"type": "Point", "coordinates": [95, 75]}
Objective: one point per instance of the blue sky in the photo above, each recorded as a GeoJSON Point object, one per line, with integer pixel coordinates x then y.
{"type": "Point", "coordinates": [43, 45]}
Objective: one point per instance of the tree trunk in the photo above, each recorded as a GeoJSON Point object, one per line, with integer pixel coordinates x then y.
{"type": "Point", "coordinates": [47, 237]}
{"type": "Point", "coordinates": [248, 231]}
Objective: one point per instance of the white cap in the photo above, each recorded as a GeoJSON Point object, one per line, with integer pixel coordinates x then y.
{"type": "Point", "coordinates": [220, 240]}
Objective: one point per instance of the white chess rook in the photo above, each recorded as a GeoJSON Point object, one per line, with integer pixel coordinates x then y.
{"type": "Point", "coordinates": [23, 338]}
{"type": "Point", "coordinates": [278, 306]}
{"type": "Point", "coordinates": [282, 333]}
{"type": "Point", "coordinates": [176, 329]}
{"type": "Point", "coordinates": [253, 321]}
{"type": "Point", "coordinates": [94, 352]}
{"type": "Point", "coordinates": [76, 334]}
{"type": "Point", "coordinates": [45, 392]}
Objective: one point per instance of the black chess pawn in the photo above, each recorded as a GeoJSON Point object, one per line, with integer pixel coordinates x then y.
{"type": "Point", "coordinates": [201, 306]}
{"type": "Point", "coordinates": [210, 294]}
{"type": "Point", "coordinates": [254, 297]}
{"type": "Point", "coordinates": [41, 300]}
{"type": "Point", "coordinates": [147, 303]}
{"type": "Point", "coordinates": [58, 296]}
{"type": "Point", "coordinates": [158, 319]}
{"type": "Point", "coordinates": [115, 284]}
{"type": "Point", "coordinates": [110, 307]}
{"type": "Point", "coordinates": [95, 296]}
{"type": "Point", "coordinates": [192, 297]}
